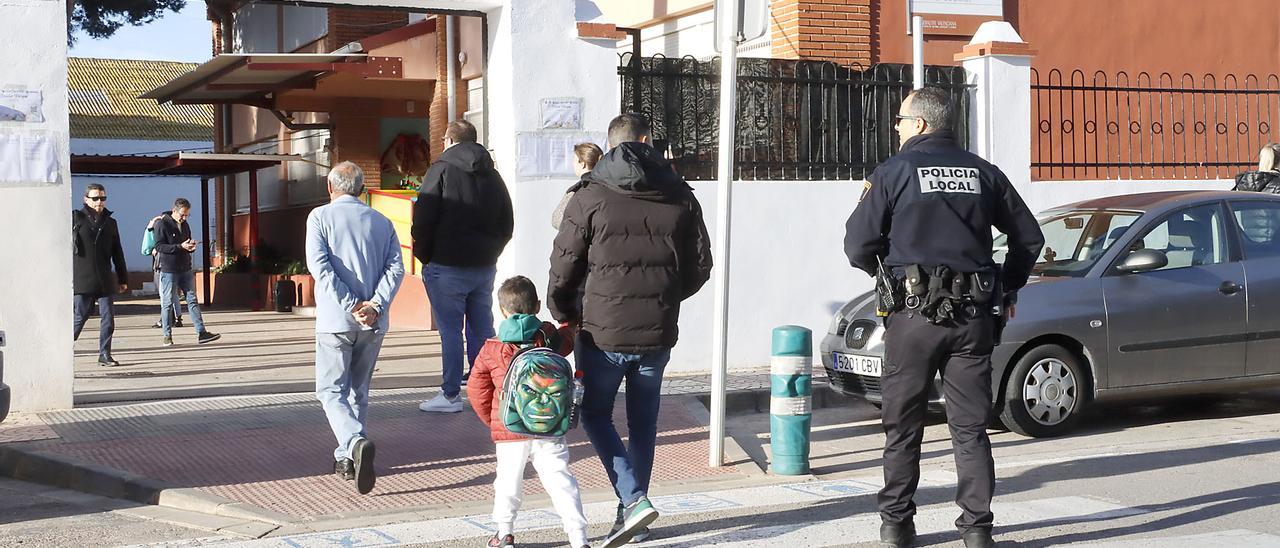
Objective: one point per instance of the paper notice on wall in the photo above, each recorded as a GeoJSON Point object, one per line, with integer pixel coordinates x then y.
{"type": "Point", "coordinates": [562, 113]}
{"type": "Point", "coordinates": [20, 105]}
{"type": "Point", "coordinates": [28, 158]}
{"type": "Point", "coordinates": [550, 154]}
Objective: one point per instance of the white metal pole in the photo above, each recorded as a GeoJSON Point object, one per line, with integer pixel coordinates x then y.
{"type": "Point", "coordinates": [724, 194]}
{"type": "Point", "coordinates": [917, 52]}
{"type": "Point", "coordinates": [451, 57]}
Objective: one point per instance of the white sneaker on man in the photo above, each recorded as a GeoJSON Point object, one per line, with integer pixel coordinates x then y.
{"type": "Point", "coordinates": [441, 404]}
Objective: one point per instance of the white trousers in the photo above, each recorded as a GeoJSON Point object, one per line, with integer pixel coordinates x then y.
{"type": "Point", "coordinates": [551, 460]}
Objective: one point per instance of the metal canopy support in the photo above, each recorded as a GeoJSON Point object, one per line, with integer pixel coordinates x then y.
{"type": "Point", "coordinates": [204, 239]}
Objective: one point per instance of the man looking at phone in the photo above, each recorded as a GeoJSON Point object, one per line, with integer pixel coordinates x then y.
{"type": "Point", "coordinates": [175, 246]}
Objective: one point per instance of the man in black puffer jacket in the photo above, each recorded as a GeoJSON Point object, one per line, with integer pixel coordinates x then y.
{"type": "Point", "coordinates": [634, 232]}
{"type": "Point", "coordinates": [461, 223]}
{"type": "Point", "coordinates": [95, 249]}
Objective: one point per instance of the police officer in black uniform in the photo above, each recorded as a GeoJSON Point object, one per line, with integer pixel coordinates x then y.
{"type": "Point", "coordinates": [926, 216]}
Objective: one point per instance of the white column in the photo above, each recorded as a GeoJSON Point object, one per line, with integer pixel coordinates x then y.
{"type": "Point", "coordinates": [535, 53]}
{"type": "Point", "coordinates": [999, 65]}
{"type": "Point", "coordinates": [35, 217]}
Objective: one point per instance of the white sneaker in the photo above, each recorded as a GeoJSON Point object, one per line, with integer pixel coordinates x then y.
{"type": "Point", "coordinates": [441, 404]}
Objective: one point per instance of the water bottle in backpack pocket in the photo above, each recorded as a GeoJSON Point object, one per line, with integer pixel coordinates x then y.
{"type": "Point", "coordinates": [538, 394]}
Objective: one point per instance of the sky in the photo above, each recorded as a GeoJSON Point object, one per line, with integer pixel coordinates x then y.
{"type": "Point", "coordinates": [184, 36]}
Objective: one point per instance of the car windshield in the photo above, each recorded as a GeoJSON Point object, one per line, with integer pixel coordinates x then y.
{"type": "Point", "coordinates": [1073, 240]}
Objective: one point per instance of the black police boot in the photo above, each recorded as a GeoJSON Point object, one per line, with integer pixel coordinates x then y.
{"type": "Point", "coordinates": [978, 538]}
{"type": "Point", "coordinates": [897, 535]}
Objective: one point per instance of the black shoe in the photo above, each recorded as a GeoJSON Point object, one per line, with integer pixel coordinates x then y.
{"type": "Point", "coordinates": [107, 361]}
{"type": "Point", "coordinates": [157, 325]}
{"type": "Point", "coordinates": [207, 337]}
{"type": "Point", "coordinates": [178, 322]}
{"type": "Point", "coordinates": [978, 538]}
{"type": "Point", "coordinates": [345, 469]}
{"type": "Point", "coordinates": [365, 476]}
{"type": "Point", "coordinates": [897, 535]}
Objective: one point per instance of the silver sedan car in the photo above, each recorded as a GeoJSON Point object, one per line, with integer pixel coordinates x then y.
{"type": "Point", "coordinates": [1134, 296]}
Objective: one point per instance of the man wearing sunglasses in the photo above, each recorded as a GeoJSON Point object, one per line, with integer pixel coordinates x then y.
{"type": "Point", "coordinates": [95, 249]}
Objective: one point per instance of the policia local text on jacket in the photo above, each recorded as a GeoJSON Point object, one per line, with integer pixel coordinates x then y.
{"type": "Point", "coordinates": [931, 205]}
{"type": "Point", "coordinates": [649, 250]}
{"type": "Point", "coordinates": [463, 215]}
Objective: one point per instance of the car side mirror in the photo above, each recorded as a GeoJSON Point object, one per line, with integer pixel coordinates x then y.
{"type": "Point", "coordinates": [1143, 260]}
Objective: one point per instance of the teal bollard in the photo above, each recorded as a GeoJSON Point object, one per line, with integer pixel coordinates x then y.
{"type": "Point", "coordinates": [790, 402]}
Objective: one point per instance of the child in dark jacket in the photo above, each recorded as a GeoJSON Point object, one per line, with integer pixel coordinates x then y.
{"type": "Point", "coordinates": [518, 299]}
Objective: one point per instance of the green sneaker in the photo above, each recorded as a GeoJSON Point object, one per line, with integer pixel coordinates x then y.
{"type": "Point", "coordinates": [635, 517]}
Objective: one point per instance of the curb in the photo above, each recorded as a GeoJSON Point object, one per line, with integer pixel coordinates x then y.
{"type": "Point", "coordinates": [746, 402]}
{"type": "Point", "coordinates": [58, 471]}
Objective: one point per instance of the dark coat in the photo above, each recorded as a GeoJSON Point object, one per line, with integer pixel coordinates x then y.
{"type": "Point", "coordinates": [463, 214]}
{"type": "Point", "coordinates": [169, 237]}
{"type": "Point", "coordinates": [1258, 181]}
{"type": "Point", "coordinates": [635, 233]}
{"type": "Point", "coordinates": [95, 249]}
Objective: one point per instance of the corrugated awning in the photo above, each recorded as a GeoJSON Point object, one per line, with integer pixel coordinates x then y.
{"type": "Point", "coordinates": [252, 79]}
{"type": "Point", "coordinates": [202, 164]}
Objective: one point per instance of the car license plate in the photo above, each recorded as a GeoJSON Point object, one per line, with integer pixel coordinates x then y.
{"type": "Point", "coordinates": [858, 365]}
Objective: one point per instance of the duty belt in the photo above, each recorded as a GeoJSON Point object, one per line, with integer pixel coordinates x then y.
{"type": "Point", "coordinates": [939, 294]}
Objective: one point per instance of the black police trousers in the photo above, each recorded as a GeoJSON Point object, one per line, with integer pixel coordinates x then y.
{"type": "Point", "coordinates": [914, 351]}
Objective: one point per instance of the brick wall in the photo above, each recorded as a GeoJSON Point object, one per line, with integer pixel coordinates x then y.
{"type": "Point", "coordinates": [356, 136]}
{"type": "Point", "coordinates": [832, 30]}
{"type": "Point", "coordinates": [439, 109]}
{"type": "Point", "coordinates": [350, 25]}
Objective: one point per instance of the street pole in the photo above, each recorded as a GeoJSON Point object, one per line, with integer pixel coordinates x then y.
{"type": "Point", "coordinates": [917, 52]}
{"type": "Point", "coordinates": [724, 194]}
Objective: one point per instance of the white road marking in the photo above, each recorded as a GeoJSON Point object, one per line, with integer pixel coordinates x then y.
{"type": "Point", "coordinates": [1236, 538]}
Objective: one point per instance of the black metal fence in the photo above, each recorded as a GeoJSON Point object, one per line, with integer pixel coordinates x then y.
{"type": "Point", "coordinates": [1117, 127]}
{"type": "Point", "coordinates": [797, 120]}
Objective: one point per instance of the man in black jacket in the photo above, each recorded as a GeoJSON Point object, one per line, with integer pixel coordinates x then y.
{"type": "Point", "coordinates": [174, 247]}
{"type": "Point", "coordinates": [927, 214]}
{"type": "Point", "coordinates": [462, 220]}
{"type": "Point", "coordinates": [96, 247]}
{"type": "Point", "coordinates": [634, 233]}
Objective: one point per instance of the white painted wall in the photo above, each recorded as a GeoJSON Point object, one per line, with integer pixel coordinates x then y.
{"type": "Point", "coordinates": [691, 35]}
{"type": "Point", "coordinates": [788, 263]}
{"type": "Point", "coordinates": [1042, 195]}
{"type": "Point", "coordinates": [35, 219]}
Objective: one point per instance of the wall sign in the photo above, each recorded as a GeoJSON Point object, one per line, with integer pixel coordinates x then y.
{"type": "Point", "coordinates": [20, 105]}
{"type": "Point", "coordinates": [562, 113]}
{"type": "Point", "coordinates": [956, 17]}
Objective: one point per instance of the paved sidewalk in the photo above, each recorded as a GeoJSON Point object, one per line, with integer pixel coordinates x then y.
{"type": "Point", "coordinates": [259, 353]}
{"type": "Point", "coordinates": [273, 452]}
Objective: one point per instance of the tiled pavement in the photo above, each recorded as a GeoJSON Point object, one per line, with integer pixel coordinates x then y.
{"type": "Point", "coordinates": [274, 451]}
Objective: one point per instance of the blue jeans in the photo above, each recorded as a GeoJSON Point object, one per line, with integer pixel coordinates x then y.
{"type": "Point", "coordinates": [107, 325]}
{"type": "Point", "coordinates": [629, 467]}
{"type": "Point", "coordinates": [344, 370]}
{"type": "Point", "coordinates": [460, 296]}
{"type": "Point", "coordinates": [185, 282]}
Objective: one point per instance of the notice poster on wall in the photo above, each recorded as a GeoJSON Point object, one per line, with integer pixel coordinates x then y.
{"type": "Point", "coordinates": [21, 105]}
{"type": "Point", "coordinates": [28, 158]}
{"type": "Point", "coordinates": [550, 154]}
{"type": "Point", "coordinates": [562, 113]}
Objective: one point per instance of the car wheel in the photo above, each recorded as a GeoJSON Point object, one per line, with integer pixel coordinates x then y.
{"type": "Point", "coordinates": [1045, 392]}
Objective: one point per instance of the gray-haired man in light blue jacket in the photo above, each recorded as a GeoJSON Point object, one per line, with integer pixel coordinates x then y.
{"type": "Point", "coordinates": [354, 255]}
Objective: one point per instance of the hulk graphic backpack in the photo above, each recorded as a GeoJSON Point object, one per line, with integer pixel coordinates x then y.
{"type": "Point", "coordinates": [540, 394]}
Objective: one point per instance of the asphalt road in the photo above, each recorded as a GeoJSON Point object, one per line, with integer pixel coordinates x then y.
{"type": "Point", "coordinates": [1197, 472]}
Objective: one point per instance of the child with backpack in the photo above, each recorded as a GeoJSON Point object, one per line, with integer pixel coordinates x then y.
{"type": "Point", "coordinates": [524, 390]}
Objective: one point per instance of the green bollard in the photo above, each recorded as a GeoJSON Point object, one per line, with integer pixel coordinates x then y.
{"type": "Point", "coordinates": [790, 406]}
